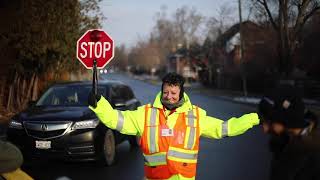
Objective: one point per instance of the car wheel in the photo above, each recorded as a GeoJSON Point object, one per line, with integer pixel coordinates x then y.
{"type": "Point", "coordinates": [109, 148]}
{"type": "Point", "coordinates": [134, 141]}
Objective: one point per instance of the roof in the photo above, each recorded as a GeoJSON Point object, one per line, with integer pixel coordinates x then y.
{"type": "Point", "coordinates": [223, 38]}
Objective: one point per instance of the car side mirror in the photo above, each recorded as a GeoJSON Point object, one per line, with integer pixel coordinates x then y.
{"type": "Point", "coordinates": [119, 103]}
{"type": "Point", "coordinates": [31, 103]}
{"type": "Point", "coordinates": [138, 103]}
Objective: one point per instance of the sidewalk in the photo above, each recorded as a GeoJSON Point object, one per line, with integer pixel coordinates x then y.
{"type": "Point", "coordinates": [229, 95]}
{"type": "Point", "coordinates": [238, 96]}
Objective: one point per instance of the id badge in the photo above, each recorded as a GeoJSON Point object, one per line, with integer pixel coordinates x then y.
{"type": "Point", "coordinates": [166, 132]}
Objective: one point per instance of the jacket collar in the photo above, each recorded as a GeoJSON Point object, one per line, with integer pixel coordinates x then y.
{"type": "Point", "coordinates": [184, 108]}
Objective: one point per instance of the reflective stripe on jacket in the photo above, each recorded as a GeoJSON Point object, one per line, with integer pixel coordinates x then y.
{"type": "Point", "coordinates": [170, 155]}
{"type": "Point", "coordinates": [133, 122]}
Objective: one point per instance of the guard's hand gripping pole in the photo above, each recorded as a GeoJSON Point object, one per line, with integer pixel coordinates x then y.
{"type": "Point", "coordinates": [95, 82]}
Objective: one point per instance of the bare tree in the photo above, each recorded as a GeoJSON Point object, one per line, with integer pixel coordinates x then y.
{"type": "Point", "coordinates": [181, 29]}
{"type": "Point", "coordinates": [186, 23]}
{"type": "Point", "coordinates": [165, 37]}
{"type": "Point", "coordinates": [163, 33]}
{"type": "Point", "coordinates": [287, 18]}
{"type": "Point", "coordinates": [145, 56]}
{"type": "Point", "coordinates": [121, 58]}
{"type": "Point", "coordinates": [215, 26]}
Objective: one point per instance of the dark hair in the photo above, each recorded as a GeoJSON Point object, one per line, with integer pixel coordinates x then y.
{"type": "Point", "coordinates": [284, 104]}
{"type": "Point", "coordinates": [174, 79]}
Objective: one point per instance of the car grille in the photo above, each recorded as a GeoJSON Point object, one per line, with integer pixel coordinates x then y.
{"type": "Point", "coordinates": [47, 130]}
{"type": "Point", "coordinates": [46, 134]}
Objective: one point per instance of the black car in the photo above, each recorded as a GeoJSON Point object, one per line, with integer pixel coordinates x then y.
{"type": "Point", "coordinates": [60, 124]}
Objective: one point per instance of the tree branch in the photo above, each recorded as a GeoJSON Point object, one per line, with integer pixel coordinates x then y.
{"type": "Point", "coordinates": [301, 10]}
{"type": "Point", "coordinates": [301, 20]}
{"type": "Point", "coordinates": [266, 7]}
{"type": "Point", "coordinates": [310, 14]}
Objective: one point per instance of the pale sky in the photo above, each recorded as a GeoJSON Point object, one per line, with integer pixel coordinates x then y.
{"type": "Point", "coordinates": [130, 20]}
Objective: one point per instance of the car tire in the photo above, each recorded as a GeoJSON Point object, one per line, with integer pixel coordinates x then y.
{"type": "Point", "coordinates": [134, 141]}
{"type": "Point", "coordinates": [109, 148]}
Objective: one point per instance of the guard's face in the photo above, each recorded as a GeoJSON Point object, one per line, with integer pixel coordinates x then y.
{"type": "Point", "coordinates": [170, 93]}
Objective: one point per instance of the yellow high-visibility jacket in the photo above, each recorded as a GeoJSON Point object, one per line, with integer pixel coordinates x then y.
{"type": "Point", "coordinates": [132, 122]}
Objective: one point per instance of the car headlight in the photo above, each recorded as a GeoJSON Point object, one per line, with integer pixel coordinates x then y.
{"type": "Point", "coordinates": [87, 124]}
{"type": "Point", "coordinates": [15, 124]}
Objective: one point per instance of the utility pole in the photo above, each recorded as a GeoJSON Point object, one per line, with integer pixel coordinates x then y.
{"type": "Point", "coordinates": [244, 80]}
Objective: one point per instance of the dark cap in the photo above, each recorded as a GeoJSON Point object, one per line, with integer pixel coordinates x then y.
{"type": "Point", "coordinates": [289, 107]}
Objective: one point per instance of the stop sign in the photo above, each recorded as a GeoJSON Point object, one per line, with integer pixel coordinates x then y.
{"type": "Point", "coordinates": [95, 44]}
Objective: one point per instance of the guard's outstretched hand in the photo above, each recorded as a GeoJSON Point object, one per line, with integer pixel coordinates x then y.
{"type": "Point", "coordinates": [237, 126]}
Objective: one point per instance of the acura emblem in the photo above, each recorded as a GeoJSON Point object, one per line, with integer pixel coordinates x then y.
{"type": "Point", "coordinates": [44, 127]}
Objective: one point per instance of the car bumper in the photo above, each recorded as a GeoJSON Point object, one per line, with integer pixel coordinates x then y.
{"type": "Point", "coordinates": [75, 145]}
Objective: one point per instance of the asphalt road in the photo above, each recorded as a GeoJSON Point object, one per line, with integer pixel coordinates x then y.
{"type": "Point", "coordinates": [244, 157]}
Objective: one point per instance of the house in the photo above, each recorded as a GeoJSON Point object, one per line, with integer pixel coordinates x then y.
{"type": "Point", "coordinates": [181, 63]}
{"type": "Point", "coordinates": [226, 62]}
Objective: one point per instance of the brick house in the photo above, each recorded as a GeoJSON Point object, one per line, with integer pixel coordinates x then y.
{"type": "Point", "coordinates": [181, 64]}
{"type": "Point", "coordinates": [225, 60]}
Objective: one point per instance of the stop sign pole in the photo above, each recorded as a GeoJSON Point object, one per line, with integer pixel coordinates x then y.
{"type": "Point", "coordinates": [95, 49]}
{"type": "Point", "coordinates": [95, 79]}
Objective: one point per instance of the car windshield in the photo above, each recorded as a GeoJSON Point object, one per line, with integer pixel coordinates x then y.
{"type": "Point", "coordinates": [75, 95]}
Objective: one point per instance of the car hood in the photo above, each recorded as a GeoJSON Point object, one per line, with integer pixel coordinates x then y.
{"type": "Point", "coordinates": [56, 114]}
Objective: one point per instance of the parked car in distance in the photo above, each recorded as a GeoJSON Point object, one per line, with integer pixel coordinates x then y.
{"type": "Point", "coordinates": [60, 124]}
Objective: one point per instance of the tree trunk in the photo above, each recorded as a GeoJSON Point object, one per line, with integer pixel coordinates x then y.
{"type": "Point", "coordinates": [65, 76]}
{"type": "Point", "coordinates": [3, 84]}
{"type": "Point", "coordinates": [35, 89]}
{"type": "Point", "coordinates": [11, 104]}
{"type": "Point", "coordinates": [23, 90]}
{"type": "Point", "coordinates": [18, 93]}
{"type": "Point", "coordinates": [284, 37]}
{"type": "Point", "coordinates": [9, 98]}
{"type": "Point", "coordinates": [30, 87]}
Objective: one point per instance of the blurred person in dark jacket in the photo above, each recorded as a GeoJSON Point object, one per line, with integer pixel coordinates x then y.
{"type": "Point", "coordinates": [294, 136]}
{"type": "Point", "coordinates": [273, 127]}
{"type": "Point", "coordinates": [11, 158]}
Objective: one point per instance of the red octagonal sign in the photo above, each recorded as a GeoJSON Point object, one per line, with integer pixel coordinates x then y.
{"type": "Point", "coordinates": [95, 44]}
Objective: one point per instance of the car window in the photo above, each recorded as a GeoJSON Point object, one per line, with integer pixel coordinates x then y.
{"type": "Point", "coordinates": [121, 92]}
{"type": "Point", "coordinates": [76, 95]}
{"type": "Point", "coordinates": [129, 92]}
